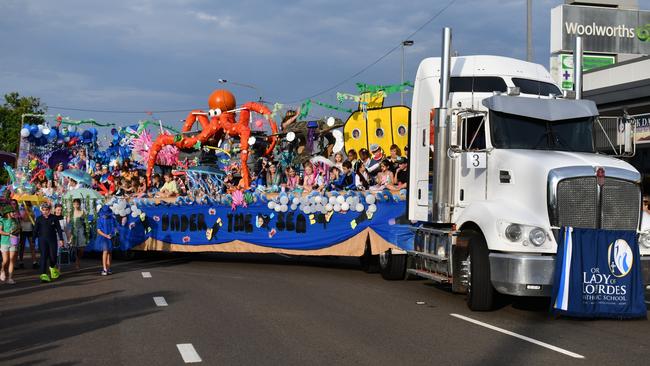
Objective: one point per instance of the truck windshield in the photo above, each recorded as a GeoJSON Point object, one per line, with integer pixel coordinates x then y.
{"type": "Point", "coordinates": [511, 131]}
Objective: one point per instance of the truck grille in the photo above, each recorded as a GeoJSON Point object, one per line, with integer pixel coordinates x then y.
{"type": "Point", "coordinates": [581, 203]}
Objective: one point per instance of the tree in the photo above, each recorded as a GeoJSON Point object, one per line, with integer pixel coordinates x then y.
{"type": "Point", "coordinates": [10, 121]}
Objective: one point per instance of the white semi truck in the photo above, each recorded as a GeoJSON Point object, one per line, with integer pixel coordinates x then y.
{"type": "Point", "coordinates": [509, 162]}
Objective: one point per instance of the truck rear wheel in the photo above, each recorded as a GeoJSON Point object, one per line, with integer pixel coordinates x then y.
{"type": "Point", "coordinates": [480, 293]}
{"type": "Point", "coordinates": [392, 266]}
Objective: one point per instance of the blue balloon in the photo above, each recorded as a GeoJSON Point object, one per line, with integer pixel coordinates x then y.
{"type": "Point", "coordinates": [33, 129]}
{"type": "Point", "coordinates": [93, 130]}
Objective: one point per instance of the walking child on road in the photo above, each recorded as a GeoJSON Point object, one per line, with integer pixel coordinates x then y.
{"type": "Point", "coordinates": [48, 231]}
{"type": "Point", "coordinates": [8, 244]}
{"type": "Point", "coordinates": [106, 231]}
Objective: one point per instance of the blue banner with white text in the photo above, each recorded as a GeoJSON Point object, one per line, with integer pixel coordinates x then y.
{"type": "Point", "coordinates": [598, 274]}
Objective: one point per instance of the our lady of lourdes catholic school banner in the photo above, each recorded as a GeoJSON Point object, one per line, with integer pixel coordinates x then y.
{"type": "Point", "coordinates": [598, 274]}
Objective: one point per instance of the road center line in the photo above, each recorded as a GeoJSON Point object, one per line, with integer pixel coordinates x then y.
{"type": "Point", "coordinates": [188, 353]}
{"type": "Point", "coordinates": [160, 301]}
{"type": "Point", "coordinates": [146, 274]}
{"type": "Point", "coordinates": [527, 339]}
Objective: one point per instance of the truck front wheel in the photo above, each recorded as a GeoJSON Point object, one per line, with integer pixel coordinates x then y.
{"type": "Point", "coordinates": [392, 266]}
{"type": "Point", "coordinates": [480, 293]}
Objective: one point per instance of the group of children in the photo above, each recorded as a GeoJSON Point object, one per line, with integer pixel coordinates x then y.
{"type": "Point", "coordinates": [19, 226]}
{"type": "Point", "coordinates": [369, 170]}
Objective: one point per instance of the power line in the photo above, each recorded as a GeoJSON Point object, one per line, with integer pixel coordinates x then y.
{"type": "Point", "coordinates": [117, 111]}
{"type": "Point", "coordinates": [377, 60]}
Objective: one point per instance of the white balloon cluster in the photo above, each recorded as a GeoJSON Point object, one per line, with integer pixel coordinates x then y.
{"type": "Point", "coordinates": [317, 203]}
{"type": "Point", "coordinates": [121, 208]}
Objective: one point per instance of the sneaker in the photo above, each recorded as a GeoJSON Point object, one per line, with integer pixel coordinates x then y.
{"type": "Point", "coordinates": [104, 272]}
{"type": "Point", "coordinates": [2, 276]}
{"type": "Point", "coordinates": [54, 273]}
{"type": "Point", "coordinates": [109, 272]}
{"type": "Point", "coordinates": [45, 278]}
{"type": "Point", "coordinates": [35, 265]}
{"type": "Point", "coordinates": [11, 281]}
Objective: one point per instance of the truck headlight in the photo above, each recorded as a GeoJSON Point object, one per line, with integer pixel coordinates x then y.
{"type": "Point", "coordinates": [644, 239]}
{"type": "Point", "coordinates": [513, 232]}
{"type": "Point", "coordinates": [537, 236]}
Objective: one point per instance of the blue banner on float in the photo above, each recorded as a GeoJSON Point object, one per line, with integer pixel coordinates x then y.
{"type": "Point", "coordinates": [598, 274]}
{"type": "Point", "coordinates": [259, 225]}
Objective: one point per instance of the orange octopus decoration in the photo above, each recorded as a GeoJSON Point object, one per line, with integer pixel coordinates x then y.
{"type": "Point", "coordinates": [220, 119]}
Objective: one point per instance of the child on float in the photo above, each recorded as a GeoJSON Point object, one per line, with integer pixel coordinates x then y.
{"type": "Point", "coordinates": [362, 179]}
{"type": "Point", "coordinates": [309, 178]}
{"type": "Point", "coordinates": [8, 244]}
{"type": "Point", "coordinates": [106, 229]}
{"type": "Point", "coordinates": [292, 180]}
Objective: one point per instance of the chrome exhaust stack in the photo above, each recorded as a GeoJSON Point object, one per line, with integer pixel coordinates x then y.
{"type": "Point", "coordinates": [577, 67]}
{"type": "Point", "coordinates": [441, 170]}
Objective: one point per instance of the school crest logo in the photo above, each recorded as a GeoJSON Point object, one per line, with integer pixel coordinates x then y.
{"type": "Point", "coordinates": [620, 258]}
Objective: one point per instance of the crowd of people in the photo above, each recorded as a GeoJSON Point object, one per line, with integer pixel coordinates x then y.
{"type": "Point", "coordinates": [50, 231]}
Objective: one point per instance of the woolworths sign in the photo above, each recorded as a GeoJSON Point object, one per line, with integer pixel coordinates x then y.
{"type": "Point", "coordinates": [603, 30]}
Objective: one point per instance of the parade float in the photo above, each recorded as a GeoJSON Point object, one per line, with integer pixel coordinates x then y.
{"type": "Point", "coordinates": [213, 217]}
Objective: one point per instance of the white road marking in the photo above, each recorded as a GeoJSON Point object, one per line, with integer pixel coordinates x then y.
{"type": "Point", "coordinates": [146, 274]}
{"type": "Point", "coordinates": [160, 301]}
{"type": "Point", "coordinates": [188, 353]}
{"type": "Point", "coordinates": [527, 339]}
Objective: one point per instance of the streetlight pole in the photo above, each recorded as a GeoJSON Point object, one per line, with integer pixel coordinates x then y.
{"type": "Point", "coordinates": [529, 31]}
{"type": "Point", "coordinates": [405, 43]}
{"type": "Point", "coordinates": [257, 90]}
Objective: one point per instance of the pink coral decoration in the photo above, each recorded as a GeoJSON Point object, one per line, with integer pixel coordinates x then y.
{"type": "Point", "coordinates": [141, 146]}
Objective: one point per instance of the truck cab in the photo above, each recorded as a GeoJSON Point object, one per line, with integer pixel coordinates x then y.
{"type": "Point", "coordinates": [497, 170]}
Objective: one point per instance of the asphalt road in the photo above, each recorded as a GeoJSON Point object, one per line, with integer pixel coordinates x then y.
{"type": "Point", "coordinates": [271, 310]}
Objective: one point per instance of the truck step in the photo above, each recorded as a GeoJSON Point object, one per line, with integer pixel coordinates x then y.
{"type": "Point", "coordinates": [429, 275]}
{"type": "Point", "coordinates": [432, 257]}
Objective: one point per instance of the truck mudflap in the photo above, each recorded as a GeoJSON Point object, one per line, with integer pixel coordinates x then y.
{"type": "Point", "coordinates": [532, 275]}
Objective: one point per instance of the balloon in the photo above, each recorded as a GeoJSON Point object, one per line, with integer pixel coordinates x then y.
{"type": "Point", "coordinates": [296, 201]}
{"type": "Point", "coordinates": [372, 208]}
{"type": "Point", "coordinates": [294, 206]}
{"type": "Point", "coordinates": [329, 207]}
{"type": "Point", "coordinates": [318, 199]}
{"type": "Point", "coordinates": [337, 208]}
{"type": "Point", "coordinates": [332, 200]}
{"type": "Point", "coordinates": [359, 207]}
{"type": "Point", "coordinates": [33, 129]}
{"type": "Point", "coordinates": [38, 133]}
{"type": "Point", "coordinates": [222, 99]}
{"type": "Point", "coordinates": [370, 199]}
{"type": "Point", "coordinates": [46, 130]}
{"type": "Point", "coordinates": [340, 200]}
{"type": "Point", "coordinates": [271, 205]}
{"type": "Point", "coordinates": [278, 208]}
{"type": "Point", "coordinates": [345, 206]}
{"type": "Point", "coordinates": [284, 208]}
{"type": "Point", "coordinates": [259, 123]}
{"type": "Point", "coordinates": [24, 132]}
{"type": "Point", "coordinates": [284, 200]}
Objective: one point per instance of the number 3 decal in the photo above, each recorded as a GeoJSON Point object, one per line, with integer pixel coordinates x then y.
{"type": "Point", "coordinates": [475, 160]}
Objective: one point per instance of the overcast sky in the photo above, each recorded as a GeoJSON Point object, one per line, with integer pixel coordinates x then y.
{"type": "Point", "coordinates": [168, 54]}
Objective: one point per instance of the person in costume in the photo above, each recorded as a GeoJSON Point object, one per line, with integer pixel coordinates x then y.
{"type": "Point", "coordinates": [48, 232]}
{"type": "Point", "coordinates": [77, 219]}
{"type": "Point", "coordinates": [106, 231]}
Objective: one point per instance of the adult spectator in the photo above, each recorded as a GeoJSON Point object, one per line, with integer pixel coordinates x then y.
{"type": "Point", "coordinates": [401, 175]}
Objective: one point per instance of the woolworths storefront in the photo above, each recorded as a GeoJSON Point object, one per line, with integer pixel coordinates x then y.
{"type": "Point", "coordinates": [610, 35]}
